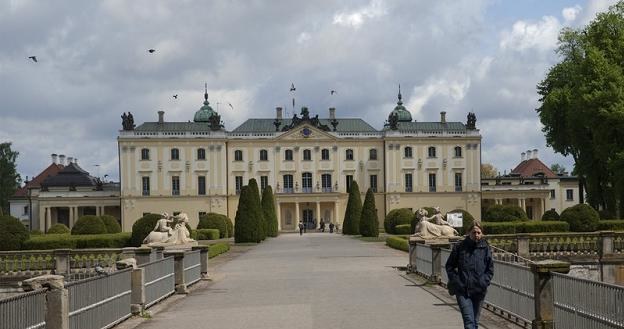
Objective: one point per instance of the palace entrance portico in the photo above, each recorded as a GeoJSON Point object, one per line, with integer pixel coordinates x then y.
{"type": "Point", "coordinates": [532, 202]}
{"type": "Point", "coordinates": [67, 211]}
{"type": "Point", "coordinates": [310, 210]}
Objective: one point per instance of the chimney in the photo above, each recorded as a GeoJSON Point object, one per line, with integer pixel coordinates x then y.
{"type": "Point", "coordinates": [70, 160]}
{"type": "Point", "coordinates": [522, 156]}
{"type": "Point", "coordinates": [528, 155]}
{"type": "Point", "coordinates": [62, 159]}
{"type": "Point", "coordinates": [443, 117]}
{"type": "Point", "coordinates": [76, 160]}
{"type": "Point", "coordinates": [54, 156]}
{"type": "Point", "coordinates": [332, 113]}
{"type": "Point", "coordinates": [278, 113]}
{"type": "Point", "coordinates": [161, 116]}
{"type": "Point", "coordinates": [534, 153]}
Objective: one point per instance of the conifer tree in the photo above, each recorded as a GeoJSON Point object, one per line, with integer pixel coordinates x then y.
{"type": "Point", "coordinates": [268, 209]}
{"type": "Point", "coordinates": [369, 224]}
{"type": "Point", "coordinates": [257, 217]}
{"type": "Point", "coordinates": [351, 224]}
{"type": "Point", "coordinates": [244, 230]}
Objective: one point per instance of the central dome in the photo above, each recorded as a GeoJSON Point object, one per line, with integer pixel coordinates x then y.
{"type": "Point", "coordinates": [402, 113]}
{"type": "Point", "coordinates": [204, 113]}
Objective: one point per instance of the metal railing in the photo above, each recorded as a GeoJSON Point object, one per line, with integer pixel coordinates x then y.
{"type": "Point", "coordinates": [444, 255]}
{"type": "Point", "coordinates": [582, 303]}
{"type": "Point", "coordinates": [424, 260]}
{"type": "Point", "coordinates": [511, 290]}
{"type": "Point", "coordinates": [192, 267]}
{"type": "Point", "coordinates": [159, 280]}
{"type": "Point", "coordinates": [30, 305]}
{"type": "Point", "coordinates": [99, 302]}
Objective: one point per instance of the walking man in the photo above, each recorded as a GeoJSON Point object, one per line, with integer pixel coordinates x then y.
{"type": "Point", "coordinates": [300, 228]}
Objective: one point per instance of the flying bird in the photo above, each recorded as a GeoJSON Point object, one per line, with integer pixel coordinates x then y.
{"type": "Point", "coordinates": [175, 96]}
{"type": "Point", "coordinates": [34, 58]}
{"type": "Point", "coordinates": [292, 87]}
{"type": "Point", "coordinates": [151, 51]}
{"type": "Point", "coordinates": [232, 107]}
{"type": "Point", "coordinates": [331, 92]}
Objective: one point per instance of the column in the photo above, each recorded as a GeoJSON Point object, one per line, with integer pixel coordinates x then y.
{"type": "Point", "coordinates": [520, 202]}
{"type": "Point", "coordinates": [296, 213]}
{"type": "Point", "coordinates": [335, 219]}
{"type": "Point", "coordinates": [318, 215]}
{"type": "Point", "coordinates": [48, 218]}
{"type": "Point", "coordinates": [71, 217]}
{"type": "Point", "coordinates": [543, 291]}
{"type": "Point", "coordinates": [279, 216]}
{"type": "Point", "coordinates": [543, 207]}
{"type": "Point", "coordinates": [97, 211]}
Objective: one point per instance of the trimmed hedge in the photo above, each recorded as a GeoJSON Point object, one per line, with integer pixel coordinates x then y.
{"type": "Point", "coordinates": [207, 234]}
{"type": "Point", "coordinates": [581, 217]}
{"type": "Point", "coordinates": [551, 215]}
{"type": "Point", "coordinates": [525, 227]}
{"type": "Point", "coordinates": [369, 223]}
{"type": "Point", "coordinates": [218, 249]}
{"type": "Point", "coordinates": [214, 221]}
{"type": "Point", "coordinates": [111, 223]}
{"type": "Point", "coordinates": [504, 213]}
{"type": "Point", "coordinates": [398, 242]}
{"type": "Point", "coordinates": [69, 241]}
{"type": "Point", "coordinates": [611, 225]}
{"type": "Point", "coordinates": [353, 212]}
{"type": "Point", "coordinates": [89, 225]}
{"type": "Point", "coordinates": [397, 217]}
{"type": "Point", "coordinates": [142, 227]}
{"type": "Point", "coordinates": [58, 229]}
{"type": "Point", "coordinates": [13, 233]}
{"type": "Point", "coordinates": [403, 229]}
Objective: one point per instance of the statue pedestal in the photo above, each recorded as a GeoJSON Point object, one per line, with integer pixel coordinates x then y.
{"type": "Point", "coordinates": [172, 246]}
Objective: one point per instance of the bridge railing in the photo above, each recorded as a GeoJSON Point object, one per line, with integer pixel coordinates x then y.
{"type": "Point", "coordinates": [511, 290]}
{"type": "Point", "coordinates": [159, 277]}
{"type": "Point", "coordinates": [32, 305]}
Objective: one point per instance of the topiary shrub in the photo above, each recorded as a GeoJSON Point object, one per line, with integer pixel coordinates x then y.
{"type": "Point", "coordinates": [111, 223]}
{"type": "Point", "coordinates": [214, 221]}
{"type": "Point", "coordinates": [581, 217]}
{"type": "Point", "coordinates": [369, 224]}
{"type": "Point", "coordinates": [398, 242]}
{"type": "Point", "coordinates": [396, 217]}
{"type": "Point", "coordinates": [88, 225]}
{"type": "Point", "coordinates": [504, 213]}
{"type": "Point", "coordinates": [258, 214]}
{"type": "Point", "coordinates": [207, 234]}
{"type": "Point", "coordinates": [499, 227]}
{"type": "Point", "coordinates": [270, 215]}
{"type": "Point", "coordinates": [13, 233]}
{"type": "Point", "coordinates": [543, 226]}
{"type": "Point", "coordinates": [245, 229]}
{"type": "Point", "coordinates": [550, 215]}
{"type": "Point", "coordinates": [58, 229]}
{"type": "Point", "coordinates": [403, 229]}
{"type": "Point", "coordinates": [67, 241]}
{"type": "Point", "coordinates": [516, 212]}
{"type": "Point", "coordinates": [611, 225]}
{"type": "Point", "coordinates": [230, 227]}
{"type": "Point", "coordinates": [217, 249]}
{"type": "Point", "coordinates": [353, 212]}
{"type": "Point", "coordinates": [36, 232]}
{"type": "Point", "coordinates": [142, 227]}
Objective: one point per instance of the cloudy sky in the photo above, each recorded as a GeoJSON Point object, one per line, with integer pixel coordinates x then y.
{"type": "Point", "coordinates": [456, 56]}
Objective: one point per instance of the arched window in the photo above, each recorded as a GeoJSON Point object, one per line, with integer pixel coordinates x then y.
{"type": "Point", "coordinates": [288, 155]}
{"type": "Point", "coordinates": [431, 152]}
{"type": "Point", "coordinates": [458, 151]}
{"type": "Point", "coordinates": [407, 152]}
{"type": "Point", "coordinates": [307, 155]}
{"type": "Point", "coordinates": [144, 154]}
{"type": "Point", "coordinates": [372, 154]}
{"type": "Point", "coordinates": [264, 155]}
{"type": "Point", "coordinates": [349, 154]}
{"type": "Point", "coordinates": [238, 155]}
{"type": "Point", "coordinates": [324, 154]}
{"type": "Point", "coordinates": [175, 154]}
{"type": "Point", "coordinates": [201, 154]}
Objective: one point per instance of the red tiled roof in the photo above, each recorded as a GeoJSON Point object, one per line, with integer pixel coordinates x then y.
{"type": "Point", "coordinates": [532, 167]}
{"type": "Point", "coordinates": [52, 170]}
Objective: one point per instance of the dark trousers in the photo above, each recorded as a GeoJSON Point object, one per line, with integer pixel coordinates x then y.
{"type": "Point", "coordinates": [301, 231]}
{"type": "Point", "coordinates": [470, 308]}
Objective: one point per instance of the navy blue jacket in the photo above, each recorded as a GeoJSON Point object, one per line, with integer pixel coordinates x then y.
{"type": "Point", "coordinates": [470, 267]}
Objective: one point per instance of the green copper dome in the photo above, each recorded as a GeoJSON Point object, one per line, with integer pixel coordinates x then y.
{"type": "Point", "coordinates": [402, 113]}
{"type": "Point", "coordinates": [205, 112]}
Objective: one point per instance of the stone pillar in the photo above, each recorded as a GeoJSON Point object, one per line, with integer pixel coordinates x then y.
{"type": "Point", "coordinates": [178, 259]}
{"type": "Point", "coordinates": [279, 216]}
{"type": "Point", "coordinates": [56, 299]}
{"type": "Point", "coordinates": [605, 253]}
{"type": "Point", "coordinates": [318, 215]}
{"type": "Point", "coordinates": [160, 251]}
{"type": "Point", "coordinates": [97, 211]}
{"type": "Point", "coordinates": [48, 218]}
{"type": "Point", "coordinates": [335, 219]}
{"type": "Point", "coordinates": [413, 241]}
{"type": "Point", "coordinates": [203, 260]}
{"type": "Point", "coordinates": [438, 267]}
{"type": "Point", "coordinates": [523, 245]}
{"type": "Point", "coordinates": [62, 261]}
{"type": "Point", "coordinates": [143, 255]}
{"type": "Point", "coordinates": [543, 291]}
{"type": "Point", "coordinates": [543, 209]}
{"type": "Point", "coordinates": [297, 218]}
{"type": "Point", "coordinates": [127, 252]}
{"type": "Point", "coordinates": [137, 297]}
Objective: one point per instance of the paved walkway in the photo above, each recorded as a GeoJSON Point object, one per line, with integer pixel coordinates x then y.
{"type": "Point", "coordinates": [318, 280]}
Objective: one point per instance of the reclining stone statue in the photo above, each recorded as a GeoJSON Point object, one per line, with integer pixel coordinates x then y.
{"type": "Point", "coordinates": [427, 230]}
{"type": "Point", "coordinates": [163, 234]}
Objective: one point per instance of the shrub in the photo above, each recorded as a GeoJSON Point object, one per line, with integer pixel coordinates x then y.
{"type": "Point", "coordinates": [217, 249]}
{"type": "Point", "coordinates": [207, 234]}
{"type": "Point", "coordinates": [398, 242]}
{"type": "Point", "coordinates": [88, 225]}
{"type": "Point", "coordinates": [111, 223]}
{"type": "Point", "coordinates": [581, 217]}
{"type": "Point", "coordinates": [605, 214]}
{"type": "Point", "coordinates": [67, 241]}
{"type": "Point", "coordinates": [504, 213]}
{"type": "Point", "coordinates": [258, 216]}
{"type": "Point", "coordinates": [245, 229]}
{"type": "Point", "coordinates": [113, 240]}
{"type": "Point", "coordinates": [396, 217]}
{"type": "Point", "coordinates": [499, 227]}
{"type": "Point", "coordinates": [12, 233]}
{"type": "Point", "coordinates": [142, 227]}
{"type": "Point", "coordinates": [230, 227]}
{"type": "Point", "coordinates": [58, 229]}
{"type": "Point", "coordinates": [414, 220]}
{"type": "Point", "coordinates": [214, 221]}
{"type": "Point", "coordinates": [550, 215]}
{"type": "Point", "coordinates": [525, 227]}
{"type": "Point", "coordinates": [611, 225]}
{"type": "Point", "coordinates": [36, 232]}
{"type": "Point", "coordinates": [51, 241]}
{"type": "Point", "coordinates": [369, 224]}
{"type": "Point", "coordinates": [351, 223]}
{"type": "Point", "coordinates": [467, 219]}
{"type": "Point", "coordinates": [403, 229]}
{"type": "Point", "coordinates": [268, 208]}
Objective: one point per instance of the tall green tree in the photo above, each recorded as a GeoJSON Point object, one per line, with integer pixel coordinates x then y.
{"type": "Point", "coordinates": [369, 223]}
{"type": "Point", "coordinates": [351, 223]}
{"type": "Point", "coordinates": [557, 168]}
{"type": "Point", "coordinates": [268, 209]}
{"type": "Point", "coordinates": [258, 217]}
{"type": "Point", "coordinates": [10, 180]}
{"type": "Point", "coordinates": [582, 106]}
{"type": "Point", "coordinates": [245, 229]}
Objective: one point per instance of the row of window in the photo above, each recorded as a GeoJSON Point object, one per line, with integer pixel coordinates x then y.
{"type": "Point", "coordinates": [569, 194]}
{"type": "Point", "coordinates": [306, 183]}
{"type": "Point", "coordinates": [307, 154]}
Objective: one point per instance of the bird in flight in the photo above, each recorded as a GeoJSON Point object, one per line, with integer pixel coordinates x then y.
{"type": "Point", "coordinates": [175, 96]}
{"type": "Point", "coordinates": [151, 51]}
{"type": "Point", "coordinates": [331, 92]}
{"type": "Point", "coordinates": [34, 58]}
{"type": "Point", "coordinates": [232, 107]}
{"type": "Point", "coordinates": [292, 87]}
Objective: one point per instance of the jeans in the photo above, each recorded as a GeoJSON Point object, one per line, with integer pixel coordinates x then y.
{"type": "Point", "coordinates": [470, 308]}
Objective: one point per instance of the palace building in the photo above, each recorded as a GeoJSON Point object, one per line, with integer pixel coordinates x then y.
{"type": "Point", "coordinates": [310, 162]}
